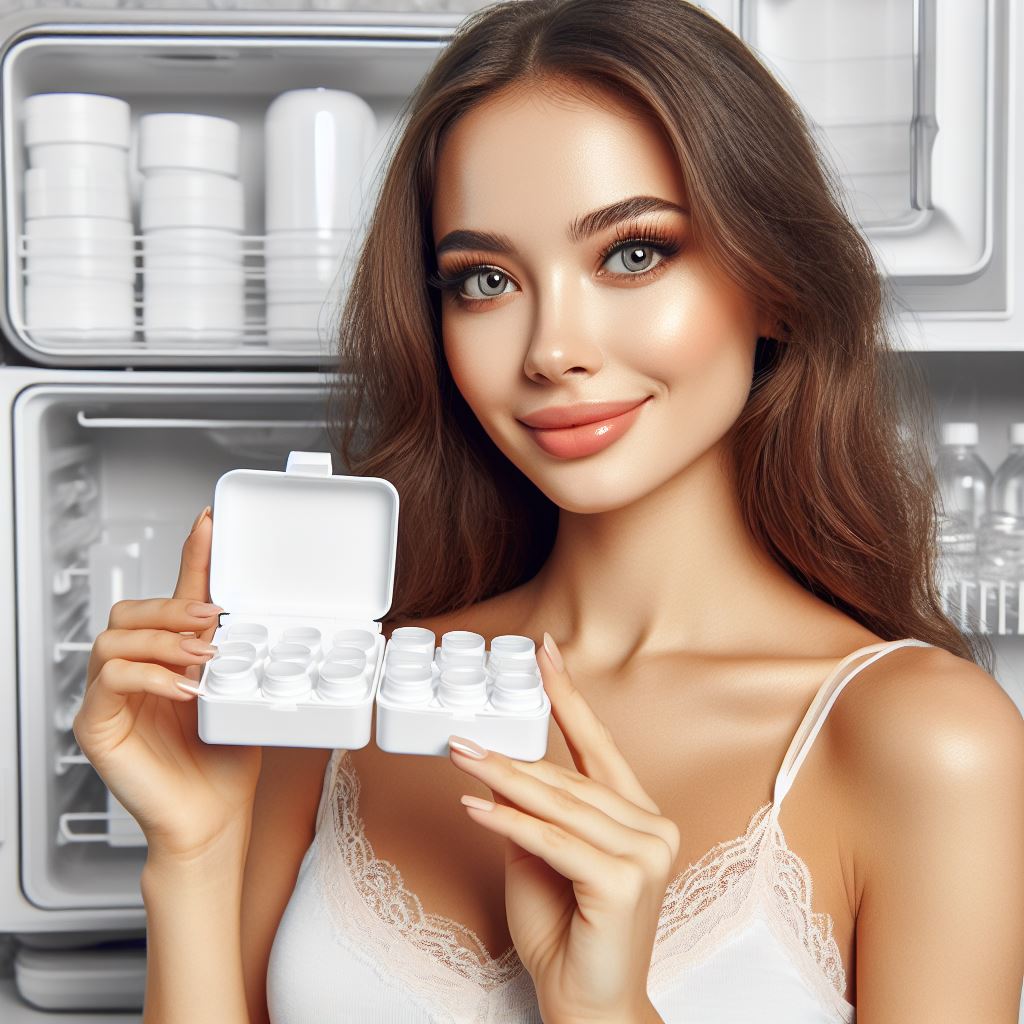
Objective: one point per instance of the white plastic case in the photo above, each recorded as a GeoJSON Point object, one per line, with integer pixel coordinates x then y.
{"type": "Point", "coordinates": [425, 728]}
{"type": "Point", "coordinates": [300, 548]}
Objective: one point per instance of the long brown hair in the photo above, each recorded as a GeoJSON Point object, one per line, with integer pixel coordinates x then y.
{"type": "Point", "coordinates": [831, 484]}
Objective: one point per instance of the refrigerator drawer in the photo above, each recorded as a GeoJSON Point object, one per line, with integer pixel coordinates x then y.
{"type": "Point", "coordinates": [232, 68]}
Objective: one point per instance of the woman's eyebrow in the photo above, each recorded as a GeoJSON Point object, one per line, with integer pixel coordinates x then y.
{"type": "Point", "coordinates": [578, 230]}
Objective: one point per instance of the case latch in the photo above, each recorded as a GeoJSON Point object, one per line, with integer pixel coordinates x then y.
{"type": "Point", "coordinates": [309, 463]}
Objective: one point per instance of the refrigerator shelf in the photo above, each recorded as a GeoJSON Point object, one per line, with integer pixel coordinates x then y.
{"type": "Point", "coordinates": [986, 606]}
{"type": "Point", "coordinates": [161, 423]}
{"type": "Point", "coordinates": [299, 326]}
{"type": "Point", "coordinates": [114, 835]}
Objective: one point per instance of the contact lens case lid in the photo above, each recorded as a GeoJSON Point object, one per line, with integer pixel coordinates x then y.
{"type": "Point", "coordinates": [305, 542]}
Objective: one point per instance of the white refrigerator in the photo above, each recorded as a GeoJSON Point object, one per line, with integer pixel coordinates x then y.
{"type": "Point", "coordinates": [111, 446]}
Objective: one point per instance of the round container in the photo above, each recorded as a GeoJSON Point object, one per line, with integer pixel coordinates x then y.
{"type": "Point", "coordinates": [193, 249]}
{"type": "Point", "coordinates": [361, 638]}
{"type": "Point", "coordinates": [461, 642]}
{"type": "Point", "coordinates": [408, 684]}
{"type": "Point", "coordinates": [188, 314]}
{"type": "Point", "coordinates": [105, 159]}
{"type": "Point", "coordinates": [516, 691]}
{"type": "Point", "coordinates": [317, 144]}
{"type": "Point", "coordinates": [76, 192]}
{"type": "Point", "coordinates": [80, 247]}
{"type": "Point", "coordinates": [73, 310]}
{"type": "Point", "coordinates": [286, 681]}
{"type": "Point", "coordinates": [198, 142]}
{"type": "Point", "coordinates": [241, 649]}
{"type": "Point", "coordinates": [62, 117]}
{"type": "Point", "coordinates": [413, 638]}
{"type": "Point", "coordinates": [308, 636]}
{"type": "Point", "coordinates": [306, 266]}
{"type": "Point", "coordinates": [400, 656]}
{"type": "Point", "coordinates": [199, 199]}
{"type": "Point", "coordinates": [503, 663]}
{"type": "Point", "coordinates": [299, 653]}
{"type": "Point", "coordinates": [463, 687]}
{"type": "Point", "coordinates": [341, 683]}
{"type": "Point", "coordinates": [231, 677]}
{"type": "Point", "coordinates": [250, 632]}
{"type": "Point", "coordinates": [347, 655]}
{"type": "Point", "coordinates": [511, 646]}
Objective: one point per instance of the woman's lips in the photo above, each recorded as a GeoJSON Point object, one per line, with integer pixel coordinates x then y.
{"type": "Point", "coordinates": [586, 438]}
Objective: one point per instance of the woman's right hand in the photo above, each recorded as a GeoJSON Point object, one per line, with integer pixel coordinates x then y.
{"type": "Point", "coordinates": [140, 731]}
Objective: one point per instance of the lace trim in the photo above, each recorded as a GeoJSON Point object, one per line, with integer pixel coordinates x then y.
{"type": "Point", "coordinates": [704, 904]}
{"type": "Point", "coordinates": [380, 884]}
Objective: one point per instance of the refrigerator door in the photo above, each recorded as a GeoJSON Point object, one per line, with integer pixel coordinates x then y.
{"type": "Point", "coordinates": [909, 102]}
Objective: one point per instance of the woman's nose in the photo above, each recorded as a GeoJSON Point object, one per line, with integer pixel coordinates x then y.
{"type": "Point", "coordinates": [563, 340]}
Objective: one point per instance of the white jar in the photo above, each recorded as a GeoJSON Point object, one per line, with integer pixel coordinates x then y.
{"type": "Point", "coordinates": [198, 142]}
{"type": "Point", "coordinates": [317, 142]}
{"type": "Point", "coordinates": [194, 276]}
{"type": "Point", "coordinates": [78, 248]}
{"type": "Point", "coordinates": [317, 146]}
{"type": "Point", "coordinates": [73, 191]}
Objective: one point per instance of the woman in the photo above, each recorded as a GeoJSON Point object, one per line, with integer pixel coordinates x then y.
{"type": "Point", "coordinates": [608, 213]}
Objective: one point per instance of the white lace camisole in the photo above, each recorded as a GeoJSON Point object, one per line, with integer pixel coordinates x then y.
{"type": "Point", "coordinates": [737, 940]}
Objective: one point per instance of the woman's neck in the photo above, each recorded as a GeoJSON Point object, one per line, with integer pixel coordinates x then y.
{"type": "Point", "coordinates": [675, 569]}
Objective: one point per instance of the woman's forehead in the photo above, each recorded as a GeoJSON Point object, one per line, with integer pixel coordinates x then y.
{"type": "Point", "coordinates": [542, 155]}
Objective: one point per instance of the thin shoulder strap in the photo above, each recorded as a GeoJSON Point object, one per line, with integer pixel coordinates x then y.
{"type": "Point", "coordinates": [817, 712]}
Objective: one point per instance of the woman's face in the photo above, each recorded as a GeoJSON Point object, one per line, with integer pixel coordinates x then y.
{"type": "Point", "coordinates": [559, 299]}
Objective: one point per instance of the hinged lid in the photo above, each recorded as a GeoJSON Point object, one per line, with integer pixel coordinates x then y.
{"type": "Point", "coordinates": [304, 542]}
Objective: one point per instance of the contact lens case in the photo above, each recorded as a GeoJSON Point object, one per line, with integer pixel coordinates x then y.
{"type": "Point", "coordinates": [303, 562]}
{"type": "Point", "coordinates": [494, 696]}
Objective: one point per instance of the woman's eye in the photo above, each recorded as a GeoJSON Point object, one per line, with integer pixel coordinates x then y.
{"type": "Point", "coordinates": [487, 284]}
{"type": "Point", "coordinates": [632, 258]}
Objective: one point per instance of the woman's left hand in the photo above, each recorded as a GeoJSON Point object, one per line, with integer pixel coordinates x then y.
{"type": "Point", "coordinates": [587, 863]}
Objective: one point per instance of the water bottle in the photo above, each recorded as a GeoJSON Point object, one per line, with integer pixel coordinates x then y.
{"type": "Point", "coordinates": [1008, 480]}
{"type": "Point", "coordinates": [1001, 536]}
{"type": "Point", "coordinates": [965, 485]}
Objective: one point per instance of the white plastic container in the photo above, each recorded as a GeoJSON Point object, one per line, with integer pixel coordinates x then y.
{"type": "Point", "coordinates": [508, 712]}
{"type": "Point", "coordinates": [198, 142]}
{"type": "Point", "coordinates": [58, 118]}
{"type": "Point", "coordinates": [76, 191]}
{"type": "Point", "coordinates": [302, 548]}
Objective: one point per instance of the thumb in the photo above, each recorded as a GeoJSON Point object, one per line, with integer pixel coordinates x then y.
{"type": "Point", "coordinates": [194, 571]}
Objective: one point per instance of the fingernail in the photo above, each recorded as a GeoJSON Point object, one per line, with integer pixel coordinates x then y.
{"type": "Point", "coordinates": [467, 747]}
{"type": "Point", "coordinates": [199, 519]}
{"type": "Point", "coordinates": [201, 610]}
{"type": "Point", "coordinates": [198, 647]}
{"type": "Point", "coordinates": [188, 689]}
{"type": "Point", "coordinates": [553, 652]}
{"type": "Point", "coordinates": [475, 801]}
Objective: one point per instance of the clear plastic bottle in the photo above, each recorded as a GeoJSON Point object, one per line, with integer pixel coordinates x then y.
{"type": "Point", "coordinates": [1008, 480]}
{"type": "Point", "coordinates": [965, 486]}
{"type": "Point", "coordinates": [1001, 535]}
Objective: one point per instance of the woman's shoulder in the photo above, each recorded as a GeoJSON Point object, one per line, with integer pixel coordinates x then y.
{"type": "Point", "coordinates": [922, 714]}
{"type": "Point", "coordinates": [922, 738]}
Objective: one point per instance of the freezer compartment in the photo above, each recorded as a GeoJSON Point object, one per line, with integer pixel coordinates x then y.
{"type": "Point", "coordinates": [228, 70]}
{"type": "Point", "coordinates": [108, 482]}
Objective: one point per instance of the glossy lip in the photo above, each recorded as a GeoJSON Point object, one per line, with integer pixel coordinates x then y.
{"type": "Point", "coordinates": [561, 416]}
{"type": "Point", "coordinates": [581, 439]}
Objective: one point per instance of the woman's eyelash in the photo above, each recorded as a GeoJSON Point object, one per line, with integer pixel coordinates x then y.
{"type": "Point", "coordinates": [634, 235]}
